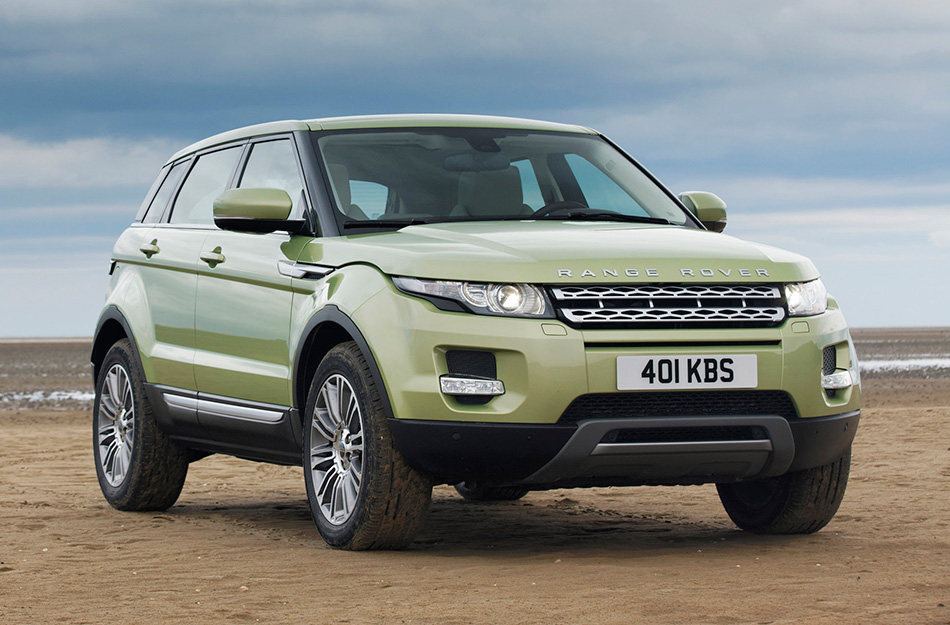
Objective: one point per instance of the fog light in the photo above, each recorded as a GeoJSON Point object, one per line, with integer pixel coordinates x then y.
{"type": "Point", "coordinates": [457, 385]}
{"type": "Point", "coordinates": [837, 381]}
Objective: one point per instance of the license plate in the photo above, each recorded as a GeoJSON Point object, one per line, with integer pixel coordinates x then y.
{"type": "Point", "coordinates": [637, 373]}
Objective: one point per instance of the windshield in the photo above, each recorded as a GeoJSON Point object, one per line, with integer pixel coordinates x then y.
{"type": "Point", "coordinates": [391, 178]}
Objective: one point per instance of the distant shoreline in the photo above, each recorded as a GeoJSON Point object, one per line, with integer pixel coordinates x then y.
{"type": "Point", "coordinates": [73, 339]}
{"type": "Point", "coordinates": [88, 339]}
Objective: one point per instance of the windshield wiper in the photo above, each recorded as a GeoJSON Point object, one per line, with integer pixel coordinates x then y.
{"type": "Point", "coordinates": [594, 214]}
{"type": "Point", "coordinates": [383, 223]}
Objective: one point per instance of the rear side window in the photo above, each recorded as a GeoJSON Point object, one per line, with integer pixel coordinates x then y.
{"type": "Point", "coordinates": [273, 165]}
{"type": "Point", "coordinates": [206, 181]}
{"type": "Point", "coordinates": [157, 208]}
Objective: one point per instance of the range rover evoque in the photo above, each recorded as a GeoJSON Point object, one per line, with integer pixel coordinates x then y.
{"type": "Point", "coordinates": [504, 305]}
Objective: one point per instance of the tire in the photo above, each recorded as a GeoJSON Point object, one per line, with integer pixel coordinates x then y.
{"type": "Point", "coordinates": [480, 491]}
{"type": "Point", "coordinates": [138, 466]}
{"type": "Point", "coordinates": [361, 492]}
{"type": "Point", "coordinates": [796, 503]}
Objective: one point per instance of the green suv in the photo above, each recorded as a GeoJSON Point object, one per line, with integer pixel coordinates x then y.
{"type": "Point", "coordinates": [505, 305]}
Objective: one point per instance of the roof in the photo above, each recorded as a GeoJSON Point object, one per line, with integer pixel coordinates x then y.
{"type": "Point", "coordinates": [379, 121]}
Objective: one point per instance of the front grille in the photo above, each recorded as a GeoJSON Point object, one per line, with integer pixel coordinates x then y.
{"type": "Point", "coordinates": [670, 306]}
{"type": "Point", "coordinates": [679, 404]}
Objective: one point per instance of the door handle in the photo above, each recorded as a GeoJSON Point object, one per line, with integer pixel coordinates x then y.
{"type": "Point", "coordinates": [150, 248]}
{"type": "Point", "coordinates": [214, 257]}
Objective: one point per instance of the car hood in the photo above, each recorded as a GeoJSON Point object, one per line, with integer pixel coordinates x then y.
{"type": "Point", "coordinates": [561, 252]}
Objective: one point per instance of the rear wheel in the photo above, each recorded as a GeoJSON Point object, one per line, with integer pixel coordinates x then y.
{"type": "Point", "coordinates": [362, 494]}
{"type": "Point", "coordinates": [482, 491]}
{"type": "Point", "coordinates": [796, 503]}
{"type": "Point", "coordinates": [138, 466]}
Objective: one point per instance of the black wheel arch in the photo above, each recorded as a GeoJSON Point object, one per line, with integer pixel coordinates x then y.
{"type": "Point", "coordinates": [111, 328]}
{"type": "Point", "coordinates": [326, 329]}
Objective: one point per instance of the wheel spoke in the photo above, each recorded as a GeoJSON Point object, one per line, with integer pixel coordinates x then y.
{"type": "Point", "coordinates": [331, 393]}
{"type": "Point", "coordinates": [122, 383]}
{"type": "Point", "coordinates": [322, 423]}
{"type": "Point", "coordinates": [320, 456]}
{"type": "Point", "coordinates": [107, 406]}
{"type": "Point", "coordinates": [356, 471]}
{"type": "Point", "coordinates": [352, 413]}
{"type": "Point", "coordinates": [350, 492]}
{"type": "Point", "coordinates": [111, 383]}
{"type": "Point", "coordinates": [109, 460]}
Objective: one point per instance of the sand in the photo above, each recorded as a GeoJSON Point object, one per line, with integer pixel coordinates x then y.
{"type": "Point", "coordinates": [239, 546]}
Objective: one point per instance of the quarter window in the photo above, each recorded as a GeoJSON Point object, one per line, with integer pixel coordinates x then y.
{"type": "Point", "coordinates": [157, 208]}
{"type": "Point", "coordinates": [206, 181]}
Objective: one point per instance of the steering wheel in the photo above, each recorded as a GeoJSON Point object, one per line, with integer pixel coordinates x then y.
{"type": "Point", "coordinates": [554, 207]}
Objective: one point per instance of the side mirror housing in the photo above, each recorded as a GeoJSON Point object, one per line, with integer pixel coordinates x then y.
{"type": "Point", "coordinates": [707, 207]}
{"type": "Point", "coordinates": [255, 210]}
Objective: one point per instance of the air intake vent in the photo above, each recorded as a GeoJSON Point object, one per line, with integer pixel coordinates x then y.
{"type": "Point", "coordinates": [479, 364]}
{"type": "Point", "coordinates": [463, 362]}
{"type": "Point", "coordinates": [679, 404]}
{"type": "Point", "coordinates": [829, 360]}
{"type": "Point", "coordinates": [829, 363]}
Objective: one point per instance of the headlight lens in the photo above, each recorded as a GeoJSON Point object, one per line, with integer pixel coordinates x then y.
{"type": "Point", "coordinates": [806, 298]}
{"type": "Point", "coordinates": [511, 300]}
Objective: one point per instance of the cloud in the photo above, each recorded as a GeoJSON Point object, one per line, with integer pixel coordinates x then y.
{"type": "Point", "coordinates": [941, 238]}
{"type": "Point", "coordinates": [81, 163]}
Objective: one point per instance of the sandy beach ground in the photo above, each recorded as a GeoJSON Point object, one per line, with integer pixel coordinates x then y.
{"type": "Point", "coordinates": [239, 546]}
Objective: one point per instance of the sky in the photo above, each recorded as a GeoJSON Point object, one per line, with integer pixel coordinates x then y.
{"type": "Point", "coordinates": [824, 125]}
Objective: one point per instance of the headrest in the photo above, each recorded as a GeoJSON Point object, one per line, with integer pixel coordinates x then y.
{"type": "Point", "coordinates": [340, 179]}
{"type": "Point", "coordinates": [490, 193]}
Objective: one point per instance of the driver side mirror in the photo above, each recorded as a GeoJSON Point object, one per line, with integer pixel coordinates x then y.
{"type": "Point", "coordinates": [255, 210]}
{"type": "Point", "coordinates": [707, 207]}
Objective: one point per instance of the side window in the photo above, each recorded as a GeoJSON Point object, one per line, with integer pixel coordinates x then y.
{"type": "Point", "coordinates": [273, 165]}
{"type": "Point", "coordinates": [371, 197]}
{"type": "Point", "coordinates": [530, 188]}
{"type": "Point", "coordinates": [599, 190]}
{"type": "Point", "coordinates": [157, 208]}
{"type": "Point", "coordinates": [206, 181]}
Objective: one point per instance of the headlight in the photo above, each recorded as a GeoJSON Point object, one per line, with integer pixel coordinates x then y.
{"type": "Point", "coordinates": [806, 298]}
{"type": "Point", "coordinates": [510, 300]}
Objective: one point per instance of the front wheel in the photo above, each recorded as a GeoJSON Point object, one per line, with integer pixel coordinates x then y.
{"type": "Point", "coordinates": [138, 466]}
{"type": "Point", "coordinates": [361, 492]}
{"type": "Point", "coordinates": [795, 503]}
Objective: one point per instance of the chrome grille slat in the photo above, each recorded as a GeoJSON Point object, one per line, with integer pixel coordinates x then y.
{"type": "Point", "coordinates": [669, 305]}
{"type": "Point", "coordinates": [666, 291]}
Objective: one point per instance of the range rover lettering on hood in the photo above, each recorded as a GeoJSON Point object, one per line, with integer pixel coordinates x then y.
{"type": "Point", "coordinates": [655, 273]}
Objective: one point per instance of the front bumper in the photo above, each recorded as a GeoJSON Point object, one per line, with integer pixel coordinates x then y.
{"type": "Point", "coordinates": [624, 452]}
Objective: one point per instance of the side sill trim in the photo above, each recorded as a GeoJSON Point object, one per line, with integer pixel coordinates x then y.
{"type": "Point", "coordinates": [183, 401]}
